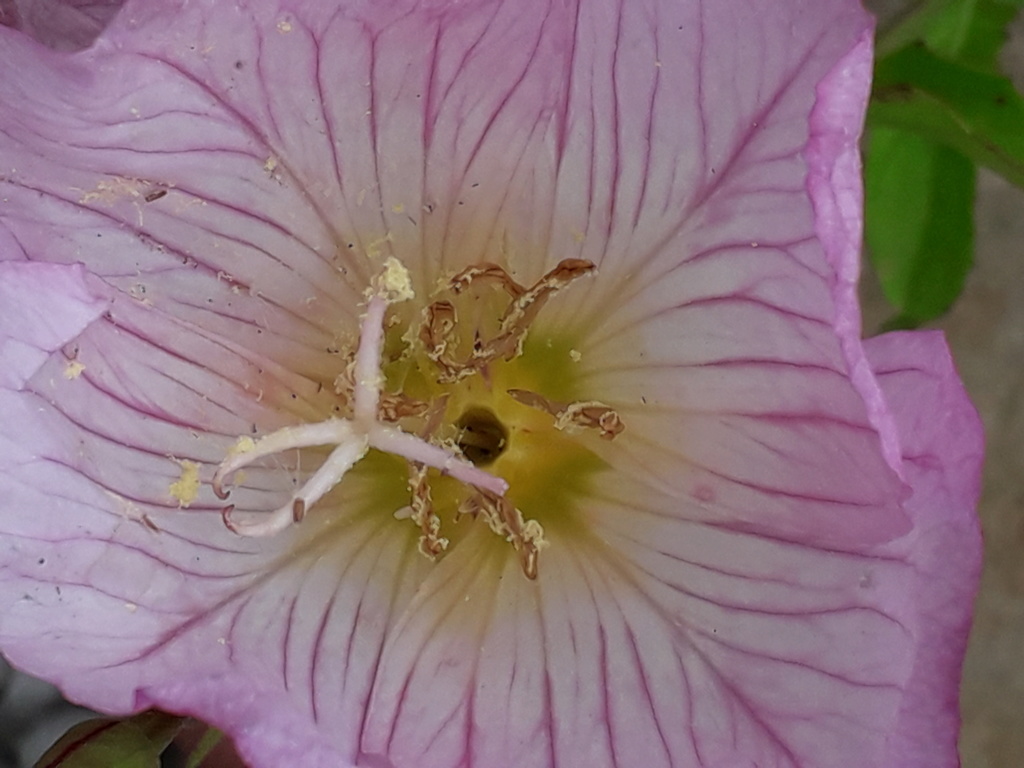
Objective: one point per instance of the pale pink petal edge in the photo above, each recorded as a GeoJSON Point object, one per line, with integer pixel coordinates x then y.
{"type": "Point", "coordinates": [942, 446]}
{"type": "Point", "coordinates": [265, 734]}
{"type": "Point", "coordinates": [837, 196]}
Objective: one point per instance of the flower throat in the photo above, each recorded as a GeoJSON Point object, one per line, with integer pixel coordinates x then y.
{"type": "Point", "coordinates": [447, 396]}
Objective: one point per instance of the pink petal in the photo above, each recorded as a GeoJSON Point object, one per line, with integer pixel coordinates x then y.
{"type": "Point", "coordinates": [64, 25]}
{"type": "Point", "coordinates": [231, 175]}
{"type": "Point", "coordinates": [42, 308]}
{"type": "Point", "coordinates": [942, 445]}
{"type": "Point", "coordinates": [739, 334]}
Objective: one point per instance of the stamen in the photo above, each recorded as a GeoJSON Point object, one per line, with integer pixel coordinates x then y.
{"type": "Point", "coordinates": [487, 272]}
{"type": "Point", "coordinates": [439, 320]}
{"type": "Point", "coordinates": [351, 437]}
{"type": "Point", "coordinates": [431, 542]}
{"type": "Point", "coordinates": [506, 520]}
{"type": "Point", "coordinates": [522, 312]}
{"type": "Point", "coordinates": [436, 333]}
{"type": "Point", "coordinates": [392, 406]}
{"type": "Point", "coordinates": [589, 414]}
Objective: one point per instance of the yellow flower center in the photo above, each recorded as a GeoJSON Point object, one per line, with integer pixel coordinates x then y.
{"type": "Point", "coordinates": [481, 419]}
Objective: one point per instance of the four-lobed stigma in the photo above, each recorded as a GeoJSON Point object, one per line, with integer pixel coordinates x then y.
{"type": "Point", "coordinates": [375, 415]}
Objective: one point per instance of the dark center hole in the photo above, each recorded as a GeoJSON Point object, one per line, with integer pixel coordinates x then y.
{"type": "Point", "coordinates": [482, 437]}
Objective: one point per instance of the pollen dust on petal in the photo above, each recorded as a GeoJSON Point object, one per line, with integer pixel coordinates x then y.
{"type": "Point", "coordinates": [186, 487]}
{"type": "Point", "coordinates": [375, 248]}
{"type": "Point", "coordinates": [73, 370]}
{"type": "Point", "coordinates": [394, 281]}
{"type": "Point", "coordinates": [108, 191]}
{"type": "Point", "coordinates": [245, 444]}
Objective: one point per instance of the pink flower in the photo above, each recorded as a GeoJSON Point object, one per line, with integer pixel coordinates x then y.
{"type": "Point", "coordinates": [732, 535]}
{"type": "Point", "coordinates": [66, 25]}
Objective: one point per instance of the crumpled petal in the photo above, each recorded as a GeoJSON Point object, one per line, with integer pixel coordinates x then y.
{"type": "Point", "coordinates": [64, 25]}
{"type": "Point", "coordinates": [942, 446]}
{"type": "Point", "coordinates": [739, 589]}
{"type": "Point", "coordinates": [42, 308]}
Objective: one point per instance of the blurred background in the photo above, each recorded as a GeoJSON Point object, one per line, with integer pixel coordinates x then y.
{"type": "Point", "coordinates": [985, 328]}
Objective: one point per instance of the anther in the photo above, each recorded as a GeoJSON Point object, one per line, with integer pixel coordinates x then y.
{"type": "Point", "coordinates": [439, 322]}
{"type": "Point", "coordinates": [506, 520]}
{"type": "Point", "coordinates": [589, 414]}
{"type": "Point", "coordinates": [351, 438]}
{"type": "Point", "coordinates": [487, 272]}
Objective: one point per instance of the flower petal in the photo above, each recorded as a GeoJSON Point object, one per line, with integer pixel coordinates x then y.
{"type": "Point", "coordinates": [657, 643]}
{"type": "Point", "coordinates": [172, 195]}
{"type": "Point", "coordinates": [231, 173]}
{"type": "Point", "coordinates": [64, 25]}
{"type": "Point", "coordinates": [942, 445]}
{"type": "Point", "coordinates": [42, 308]}
{"type": "Point", "coordinates": [730, 342]}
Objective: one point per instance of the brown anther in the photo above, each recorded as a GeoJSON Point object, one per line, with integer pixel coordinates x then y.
{"type": "Point", "coordinates": [440, 319]}
{"type": "Point", "coordinates": [431, 543]}
{"type": "Point", "coordinates": [487, 272]}
{"type": "Point", "coordinates": [610, 424]}
{"type": "Point", "coordinates": [434, 416]}
{"type": "Point", "coordinates": [522, 312]}
{"type": "Point", "coordinates": [528, 561]}
{"type": "Point", "coordinates": [298, 510]}
{"type": "Point", "coordinates": [589, 414]}
{"type": "Point", "coordinates": [345, 381]}
{"type": "Point", "coordinates": [439, 340]}
{"type": "Point", "coordinates": [506, 520]}
{"type": "Point", "coordinates": [533, 400]}
{"type": "Point", "coordinates": [148, 522]}
{"type": "Point", "coordinates": [393, 407]}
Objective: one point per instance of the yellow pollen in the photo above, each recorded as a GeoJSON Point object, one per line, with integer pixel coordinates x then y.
{"type": "Point", "coordinates": [73, 370]}
{"type": "Point", "coordinates": [394, 282]}
{"type": "Point", "coordinates": [186, 487]}
{"type": "Point", "coordinates": [244, 444]}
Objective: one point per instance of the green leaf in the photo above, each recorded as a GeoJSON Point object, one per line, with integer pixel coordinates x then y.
{"type": "Point", "coordinates": [911, 25]}
{"type": "Point", "coordinates": [971, 32]}
{"type": "Point", "coordinates": [977, 113]}
{"type": "Point", "coordinates": [133, 743]}
{"type": "Point", "coordinates": [918, 222]}
{"type": "Point", "coordinates": [206, 745]}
